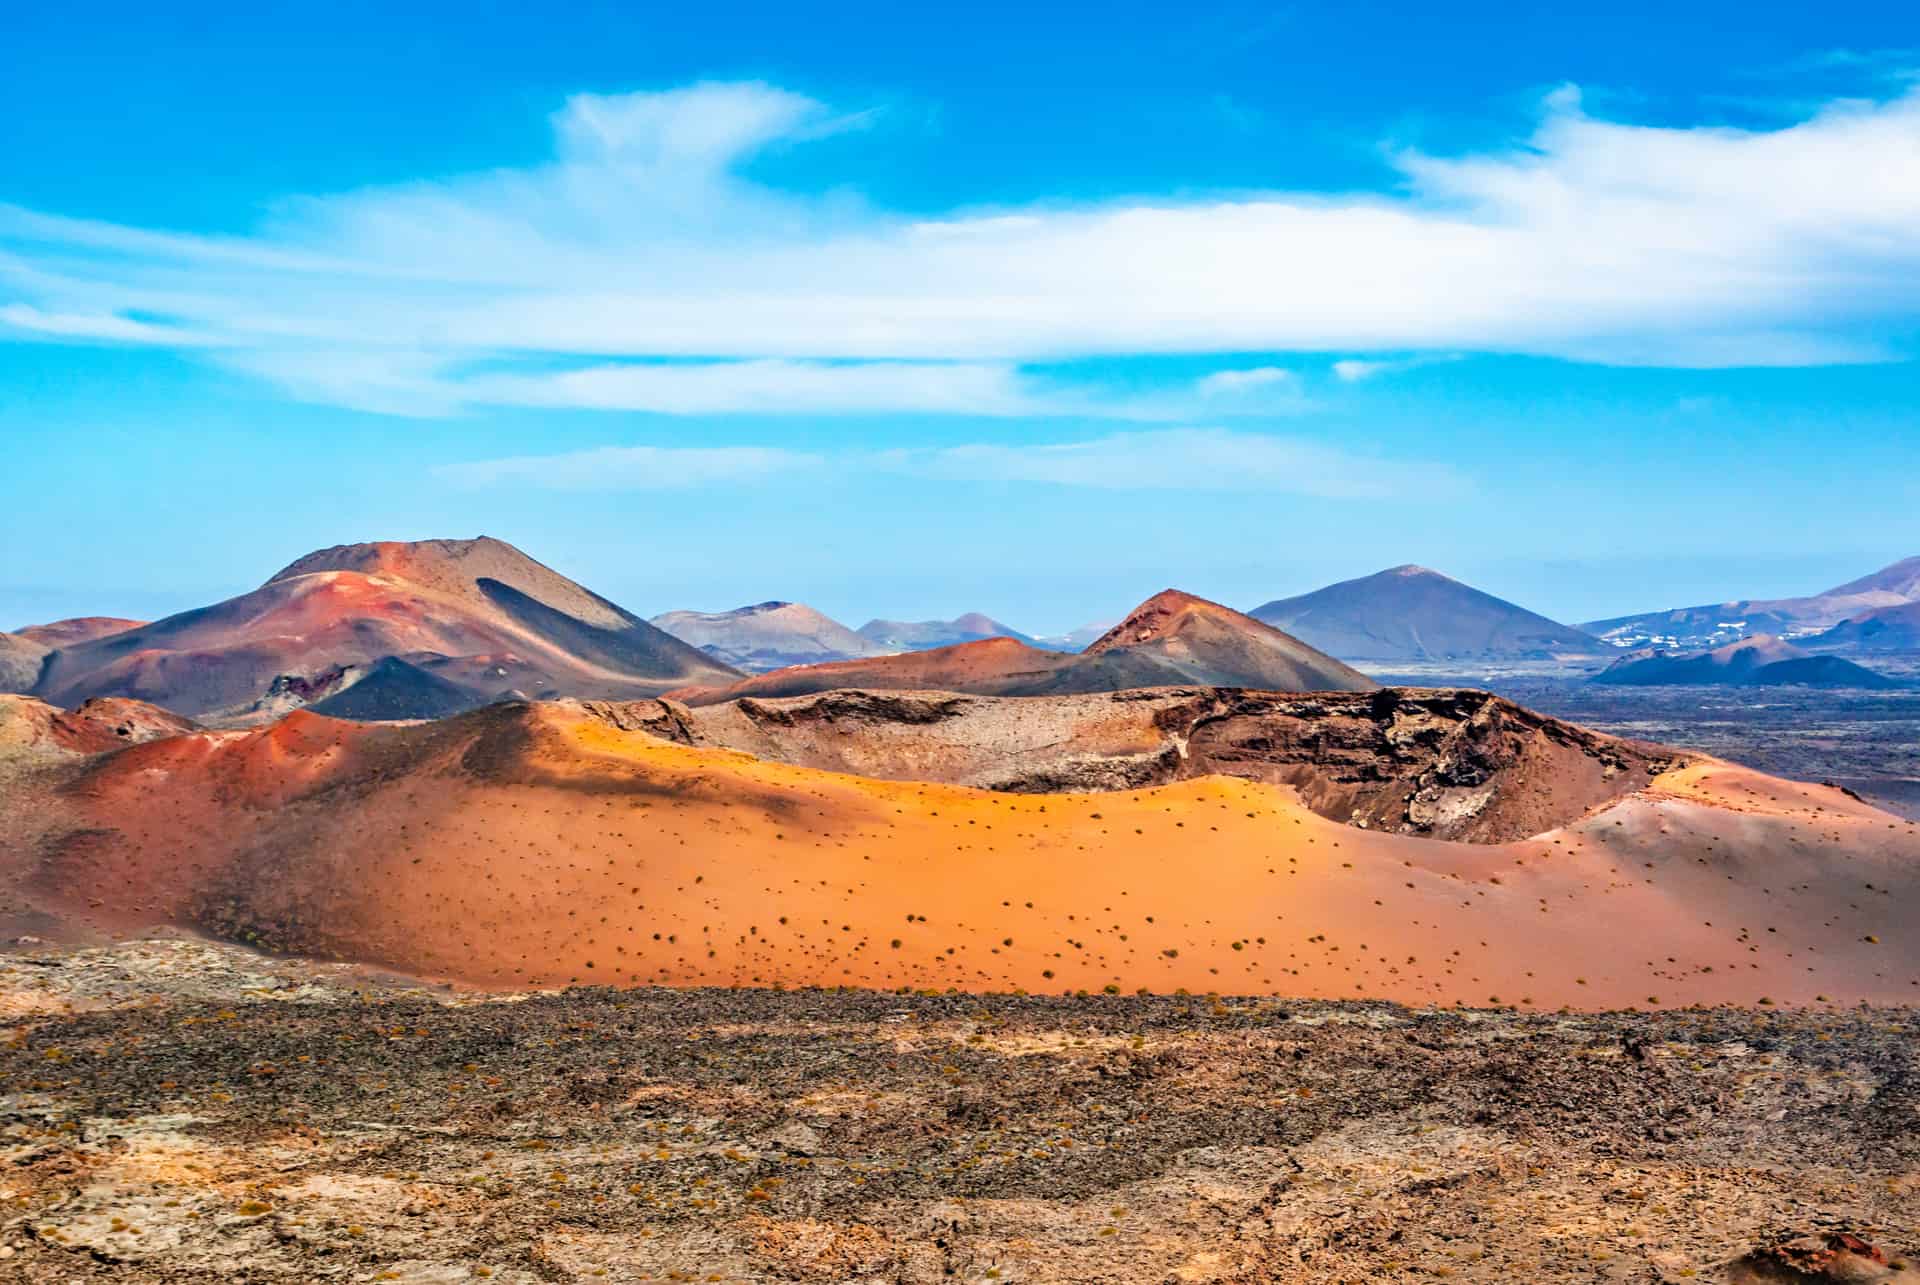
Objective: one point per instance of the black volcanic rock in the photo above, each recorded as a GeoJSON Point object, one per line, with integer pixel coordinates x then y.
{"type": "Point", "coordinates": [392, 690]}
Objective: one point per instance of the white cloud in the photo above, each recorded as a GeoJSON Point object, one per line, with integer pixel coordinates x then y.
{"type": "Point", "coordinates": [633, 468]}
{"type": "Point", "coordinates": [1235, 382]}
{"type": "Point", "coordinates": [1352, 371]}
{"type": "Point", "coordinates": [108, 327]}
{"type": "Point", "coordinates": [768, 387]}
{"type": "Point", "coordinates": [642, 239]}
{"type": "Point", "coordinates": [1180, 459]}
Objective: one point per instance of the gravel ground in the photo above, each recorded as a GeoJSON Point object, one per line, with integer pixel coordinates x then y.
{"type": "Point", "coordinates": [176, 1111]}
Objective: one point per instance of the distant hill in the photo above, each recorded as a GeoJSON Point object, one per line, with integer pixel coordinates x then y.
{"type": "Point", "coordinates": [1075, 639]}
{"type": "Point", "coordinates": [1172, 639]}
{"type": "Point", "coordinates": [1762, 661]}
{"type": "Point", "coordinates": [21, 659]}
{"type": "Point", "coordinates": [768, 635]}
{"type": "Point", "coordinates": [1715, 624]}
{"type": "Point", "coordinates": [1411, 613]}
{"type": "Point", "coordinates": [32, 729]}
{"type": "Point", "coordinates": [65, 633]}
{"type": "Point", "coordinates": [1887, 629]}
{"type": "Point", "coordinates": [923, 635]}
{"type": "Point", "coordinates": [390, 689]}
{"type": "Point", "coordinates": [532, 628]}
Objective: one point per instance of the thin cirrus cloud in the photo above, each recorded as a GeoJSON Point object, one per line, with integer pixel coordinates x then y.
{"type": "Point", "coordinates": [1171, 459]}
{"type": "Point", "coordinates": [634, 468]}
{"type": "Point", "coordinates": [642, 240]}
{"type": "Point", "coordinates": [1235, 383]}
{"type": "Point", "coordinates": [1353, 370]}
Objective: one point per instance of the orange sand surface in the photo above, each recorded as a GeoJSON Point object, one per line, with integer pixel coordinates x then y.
{"type": "Point", "coordinates": [526, 846]}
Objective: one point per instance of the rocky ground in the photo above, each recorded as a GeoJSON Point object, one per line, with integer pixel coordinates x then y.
{"type": "Point", "coordinates": [1861, 739]}
{"type": "Point", "coordinates": [176, 1111]}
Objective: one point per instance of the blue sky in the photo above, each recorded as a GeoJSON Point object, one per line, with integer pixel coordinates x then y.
{"type": "Point", "coordinates": [907, 314]}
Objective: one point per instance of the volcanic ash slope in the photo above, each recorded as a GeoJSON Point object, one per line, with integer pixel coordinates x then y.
{"type": "Point", "coordinates": [537, 845]}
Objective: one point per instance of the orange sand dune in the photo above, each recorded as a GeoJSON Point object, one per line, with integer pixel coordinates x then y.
{"type": "Point", "coordinates": [537, 845]}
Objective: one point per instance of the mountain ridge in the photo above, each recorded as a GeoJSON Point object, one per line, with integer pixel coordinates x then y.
{"type": "Point", "coordinates": [767, 635]}
{"type": "Point", "coordinates": [1173, 638]}
{"type": "Point", "coordinates": [356, 604]}
{"type": "Point", "coordinates": [1712, 624]}
{"type": "Point", "coordinates": [1758, 661]}
{"type": "Point", "coordinates": [1410, 612]}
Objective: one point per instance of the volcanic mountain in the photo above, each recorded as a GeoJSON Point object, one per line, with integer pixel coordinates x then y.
{"type": "Point", "coordinates": [540, 844]}
{"type": "Point", "coordinates": [924, 635]}
{"type": "Point", "coordinates": [21, 660]}
{"type": "Point", "coordinates": [1411, 613]}
{"type": "Point", "coordinates": [768, 635]}
{"type": "Point", "coordinates": [1172, 639]}
{"type": "Point", "coordinates": [32, 730]}
{"type": "Point", "coordinates": [23, 653]}
{"type": "Point", "coordinates": [1760, 661]}
{"type": "Point", "coordinates": [79, 629]}
{"type": "Point", "coordinates": [1717, 623]}
{"type": "Point", "coordinates": [495, 619]}
{"type": "Point", "coordinates": [1888, 629]}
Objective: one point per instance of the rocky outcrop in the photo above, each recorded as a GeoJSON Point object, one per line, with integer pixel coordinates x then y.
{"type": "Point", "coordinates": [1451, 764]}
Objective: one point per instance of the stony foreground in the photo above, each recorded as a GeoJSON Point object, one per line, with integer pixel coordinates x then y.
{"type": "Point", "coordinates": [178, 1112]}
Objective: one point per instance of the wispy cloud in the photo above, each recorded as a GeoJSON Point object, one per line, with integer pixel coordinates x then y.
{"type": "Point", "coordinates": [634, 468]}
{"type": "Point", "coordinates": [1235, 383]}
{"type": "Point", "coordinates": [1353, 370]}
{"type": "Point", "coordinates": [642, 259]}
{"type": "Point", "coordinates": [1177, 459]}
{"type": "Point", "coordinates": [1184, 459]}
{"type": "Point", "coordinates": [1888, 64]}
{"type": "Point", "coordinates": [30, 321]}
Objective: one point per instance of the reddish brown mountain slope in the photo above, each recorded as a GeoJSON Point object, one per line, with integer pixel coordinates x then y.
{"type": "Point", "coordinates": [66, 633]}
{"type": "Point", "coordinates": [435, 602]}
{"type": "Point", "coordinates": [32, 729]}
{"type": "Point", "coordinates": [1171, 639]}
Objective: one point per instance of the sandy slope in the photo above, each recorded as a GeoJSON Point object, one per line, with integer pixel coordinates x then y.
{"type": "Point", "coordinates": [538, 845]}
{"type": "Point", "coordinates": [1438, 763]}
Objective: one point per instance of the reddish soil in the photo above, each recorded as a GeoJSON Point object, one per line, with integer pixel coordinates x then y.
{"type": "Point", "coordinates": [538, 845]}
